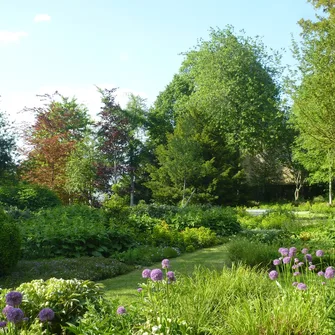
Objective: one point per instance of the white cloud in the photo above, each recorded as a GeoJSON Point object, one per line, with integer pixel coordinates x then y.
{"type": "Point", "coordinates": [11, 36]}
{"type": "Point", "coordinates": [42, 18]}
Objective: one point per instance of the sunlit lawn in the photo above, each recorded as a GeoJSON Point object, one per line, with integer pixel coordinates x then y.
{"type": "Point", "coordinates": [124, 287]}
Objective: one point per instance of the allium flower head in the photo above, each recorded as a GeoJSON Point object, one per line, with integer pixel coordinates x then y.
{"type": "Point", "coordinates": [330, 272]}
{"type": "Point", "coordinates": [323, 283]}
{"type": "Point", "coordinates": [304, 250]}
{"type": "Point", "coordinates": [311, 267]}
{"type": "Point", "coordinates": [296, 260]}
{"type": "Point", "coordinates": [140, 289]}
{"type": "Point", "coordinates": [308, 257]}
{"type": "Point", "coordinates": [321, 273]}
{"type": "Point", "coordinates": [156, 274]}
{"type": "Point", "coordinates": [319, 253]}
{"type": "Point", "coordinates": [283, 251]}
{"type": "Point", "coordinates": [302, 286]}
{"type": "Point", "coordinates": [295, 283]}
{"type": "Point", "coordinates": [15, 315]}
{"type": "Point", "coordinates": [296, 274]}
{"type": "Point", "coordinates": [276, 262]}
{"type": "Point", "coordinates": [170, 276]}
{"type": "Point", "coordinates": [165, 263]}
{"type": "Point", "coordinates": [3, 324]}
{"type": "Point", "coordinates": [146, 273]}
{"type": "Point", "coordinates": [46, 314]}
{"type": "Point", "coordinates": [13, 298]}
{"type": "Point", "coordinates": [292, 251]}
{"type": "Point", "coordinates": [287, 260]}
{"type": "Point", "coordinates": [301, 264]}
{"type": "Point", "coordinates": [121, 310]}
{"type": "Point", "coordinates": [6, 309]}
{"type": "Point", "coordinates": [273, 274]}
{"type": "Point", "coordinates": [295, 266]}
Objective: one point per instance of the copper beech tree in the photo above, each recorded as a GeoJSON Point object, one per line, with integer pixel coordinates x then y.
{"type": "Point", "coordinates": [59, 125]}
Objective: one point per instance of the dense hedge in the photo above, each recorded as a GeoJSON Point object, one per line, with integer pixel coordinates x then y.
{"type": "Point", "coordinates": [10, 243]}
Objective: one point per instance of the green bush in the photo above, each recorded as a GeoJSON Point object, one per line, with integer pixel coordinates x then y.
{"type": "Point", "coordinates": [10, 244]}
{"type": "Point", "coordinates": [268, 236]}
{"type": "Point", "coordinates": [67, 298]}
{"type": "Point", "coordinates": [71, 231]}
{"type": "Point", "coordinates": [146, 255]}
{"type": "Point", "coordinates": [28, 196]}
{"type": "Point", "coordinates": [199, 238]}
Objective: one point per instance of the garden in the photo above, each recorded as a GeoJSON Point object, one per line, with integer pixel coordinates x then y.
{"type": "Point", "coordinates": [157, 269]}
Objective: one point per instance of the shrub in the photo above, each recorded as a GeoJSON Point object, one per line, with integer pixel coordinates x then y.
{"type": "Point", "coordinates": [10, 243]}
{"type": "Point", "coordinates": [28, 196]}
{"type": "Point", "coordinates": [71, 231]}
{"type": "Point", "coordinates": [198, 238]}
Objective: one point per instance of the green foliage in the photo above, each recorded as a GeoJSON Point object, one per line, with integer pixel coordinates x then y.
{"type": "Point", "coordinates": [28, 196]}
{"type": "Point", "coordinates": [145, 255]}
{"type": "Point", "coordinates": [252, 253]}
{"type": "Point", "coordinates": [69, 299]}
{"type": "Point", "coordinates": [71, 231]}
{"type": "Point", "coordinates": [270, 220]}
{"type": "Point", "coordinates": [10, 243]}
{"type": "Point", "coordinates": [199, 237]}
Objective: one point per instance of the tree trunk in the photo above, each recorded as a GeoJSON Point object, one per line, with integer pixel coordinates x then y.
{"type": "Point", "coordinates": [132, 189]}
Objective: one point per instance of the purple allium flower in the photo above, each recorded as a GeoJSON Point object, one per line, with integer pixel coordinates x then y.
{"type": "Point", "coordinates": [296, 274]}
{"type": "Point", "coordinates": [304, 250]}
{"type": "Point", "coordinates": [7, 309]}
{"type": "Point", "coordinates": [330, 272]}
{"type": "Point", "coordinates": [140, 289]}
{"type": "Point", "coordinates": [302, 286]}
{"type": "Point", "coordinates": [308, 257]}
{"type": "Point", "coordinates": [321, 273]}
{"type": "Point", "coordinates": [165, 263]}
{"type": "Point", "coordinates": [276, 262]}
{"type": "Point", "coordinates": [292, 251]}
{"type": "Point", "coordinates": [3, 324]}
{"type": "Point", "coordinates": [13, 298]}
{"type": "Point", "coordinates": [296, 260]}
{"type": "Point", "coordinates": [273, 274]}
{"type": "Point", "coordinates": [121, 310]}
{"type": "Point", "coordinates": [287, 260]}
{"type": "Point", "coordinates": [170, 276]}
{"type": "Point", "coordinates": [311, 267]}
{"type": "Point", "coordinates": [319, 253]}
{"type": "Point", "coordinates": [15, 315]}
{"type": "Point", "coordinates": [283, 251]}
{"type": "Point", "coordinates": [295, 266]}
{"type": "Point", "coordinates": [301, 264]}
{"type": "Point", "coordinates": [156, 274]}
{"type": "Point", "coordinates": [295, 283]}
{"type": "Point", "coordinates": [146, 273]}
{"type": "Point", "coordinates": [46, 314]}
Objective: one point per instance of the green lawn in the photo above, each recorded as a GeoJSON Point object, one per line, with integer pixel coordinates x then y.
{"type": "Point", "coordinates": [124, 287]}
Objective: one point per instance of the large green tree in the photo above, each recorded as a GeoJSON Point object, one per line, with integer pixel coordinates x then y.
{"type": "Point", "coordinates": [229, 85]}
{"type": "Point", "coordinates": [314, 94]}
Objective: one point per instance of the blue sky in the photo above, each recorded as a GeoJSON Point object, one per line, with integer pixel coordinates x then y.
{"type": "Point", "coordinates": [72, 45]}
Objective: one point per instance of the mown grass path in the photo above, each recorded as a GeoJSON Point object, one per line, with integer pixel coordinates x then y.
{"type": "Point", "coordinates": [124, 287]}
